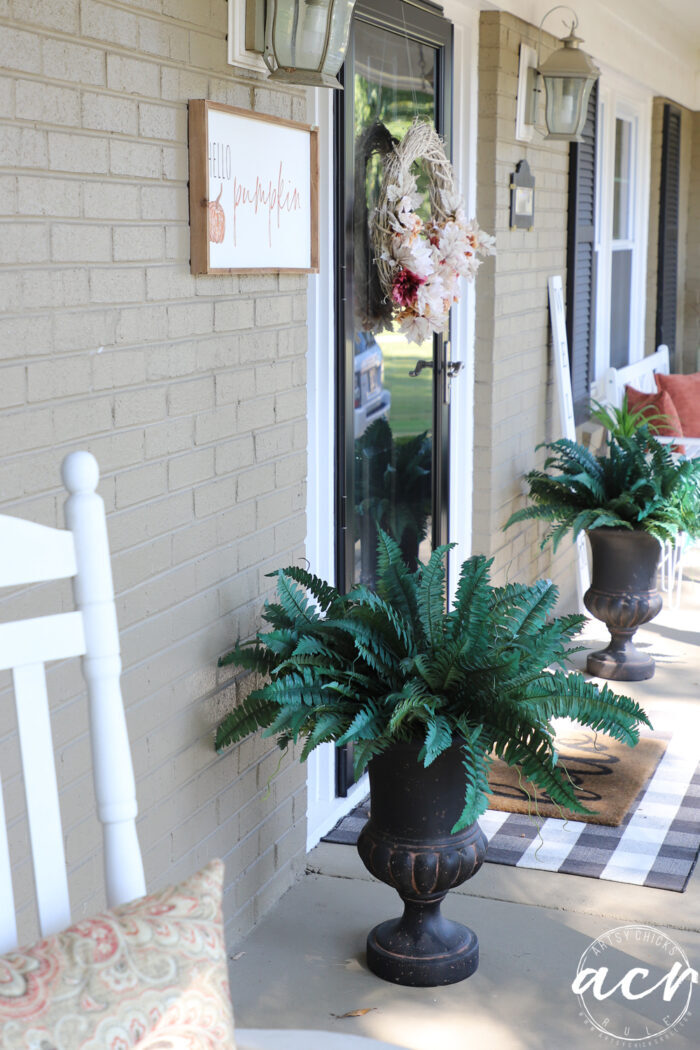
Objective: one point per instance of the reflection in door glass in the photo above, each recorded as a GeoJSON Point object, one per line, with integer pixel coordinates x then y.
{"type": "Point", "coordinates": [393, 411]}
{"type": "Point", "coordinates": [621, 195]}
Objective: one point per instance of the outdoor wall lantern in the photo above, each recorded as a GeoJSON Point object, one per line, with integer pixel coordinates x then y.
{"type": "Point", "coordinates": [569, 75]}
{"type": "Point", "coordinates": [301, 41]}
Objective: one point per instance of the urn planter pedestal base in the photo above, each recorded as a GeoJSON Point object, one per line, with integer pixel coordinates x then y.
{"type": "Point", "coordinates": [422, 949]}
{"type": "Point", "coordinates": [623, 595]}
{"type": "Point", "coordinates": [407, 843]}
{"type": "Point", "coordinates": [621, 661]}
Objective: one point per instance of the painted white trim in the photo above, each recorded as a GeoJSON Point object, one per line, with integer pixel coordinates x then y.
{"type": "Point", "coordinates": [464, 151]}
{"type": "Point", "coordinates": [237, 54]}
{"type": "Point", "coordinates": [321, 357]}
{"type": "Point", "coordinates": [524, 132]}
{"type": "Point", "coordinates": [322, 810]}
{"type": "Point", "coordinates": [620, 98]}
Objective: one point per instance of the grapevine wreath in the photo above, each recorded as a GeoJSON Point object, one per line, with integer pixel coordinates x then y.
{"type": "Point", "coordinates": [419, 262]}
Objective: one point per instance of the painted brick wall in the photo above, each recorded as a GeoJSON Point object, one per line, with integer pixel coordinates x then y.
{"type": "Point", "coordinates": [191, 393]}
{"type": "Point", "coordinates": [514, 398]}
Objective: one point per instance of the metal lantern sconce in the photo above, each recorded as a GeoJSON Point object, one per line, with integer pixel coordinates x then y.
{"type": "Point", "coordinates": [569, 75]}
{"type": "Point", "coordinates": [301, 41]}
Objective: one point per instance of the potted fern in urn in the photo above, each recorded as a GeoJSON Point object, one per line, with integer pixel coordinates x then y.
{"type": "Point", "coordinates": [629, 500]}
{"type": "Point", "coordinates": [426, 696]}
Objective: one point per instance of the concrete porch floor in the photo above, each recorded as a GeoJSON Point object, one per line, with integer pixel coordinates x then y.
{"type": "Point", "coordinates": [303, 965]}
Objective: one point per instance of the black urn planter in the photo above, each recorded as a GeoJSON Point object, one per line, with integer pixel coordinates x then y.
{"type": "Point", "coordinates": [407, 843]}
{"type": "Point", "coordinates": [623, 595]}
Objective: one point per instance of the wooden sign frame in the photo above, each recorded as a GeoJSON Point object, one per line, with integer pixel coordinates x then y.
{"type": "Point", "coordinates": [266, 202]}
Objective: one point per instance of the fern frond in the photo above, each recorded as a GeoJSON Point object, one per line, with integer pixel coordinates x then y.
{"type": "Point", "coordinates": [438, 738]}
{"type": "Point", "coordinates": [292, 600]}
{"type": "Point", "coordinates": [561, 695]}
{"type": "Point", "coordinates": [431, 596]}
{"type": "Point", "coordinates": [250, 655]}
{"type": "Point", "coordinates": [363, 725]}
{"type": "Point", "coordinates": [395, 627]}
{"type": "Point", "coordinates": [529, 747]}
{"type": "Point", "coordinates": [414, 703]}
{"type": "Point", "coordinates": [325, 731]}
{"type": "Point", "coordinates": [394, 581]}
{"type": "Point", "coordinates": [364, 751]}
{"type": "Point", "coordinates": [472, 602]}
{"type": "Point", "coordinates": [327, 597]}
{"type": "Point", "coordinates": [523, 610]}
{"type": "Point", "coordinates": [256, 711]}
{"type": "Point", "coordinates": [476, 764]}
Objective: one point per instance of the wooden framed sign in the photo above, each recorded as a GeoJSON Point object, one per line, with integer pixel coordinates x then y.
{"type": "Point", "coordinates": [253, 192]}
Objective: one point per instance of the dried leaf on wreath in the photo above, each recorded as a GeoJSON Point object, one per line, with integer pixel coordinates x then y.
{"type": "Point", "coordinates": [355, 1013]}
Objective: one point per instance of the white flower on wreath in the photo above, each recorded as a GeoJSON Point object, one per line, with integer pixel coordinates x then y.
{"type": "Point", "coordinates": [415, 255]}
{"type": "Point", "coordinates": [430, 300]}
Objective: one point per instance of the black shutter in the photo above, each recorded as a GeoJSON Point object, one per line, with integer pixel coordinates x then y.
{"type": "Point", "coordinates": [580, 262]}
{"type": "Point", "coordinates": [667, 273]}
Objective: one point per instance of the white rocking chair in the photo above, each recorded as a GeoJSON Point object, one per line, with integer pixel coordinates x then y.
{"type": "Point", "coordinates": [31, 553]}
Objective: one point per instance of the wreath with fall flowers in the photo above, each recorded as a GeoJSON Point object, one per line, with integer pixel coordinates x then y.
{"type": "Point", "coordinates": [420, 262]}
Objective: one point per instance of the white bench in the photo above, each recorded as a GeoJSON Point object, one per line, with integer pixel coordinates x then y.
{"type": "Point", "coordinates": [640, 375]}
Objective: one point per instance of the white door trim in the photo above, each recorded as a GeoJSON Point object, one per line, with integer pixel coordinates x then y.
{"type": "Point", "coordinates": [464, 148]}
{"type": "Point", "coordinates": [323, 809]}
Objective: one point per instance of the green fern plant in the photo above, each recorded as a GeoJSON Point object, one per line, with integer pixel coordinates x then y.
{"type": "Point", "coordinates": [376, 667]}
{"type": "Point", "coordinates": [623, 421]}
{"type": "Point", "coordinates": [636, 484]}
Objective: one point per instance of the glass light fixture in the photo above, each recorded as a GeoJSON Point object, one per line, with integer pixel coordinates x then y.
{"type": "Point", "coordinates": [301, 41]}
{"type": "Point", "coordinates": [569, 75]}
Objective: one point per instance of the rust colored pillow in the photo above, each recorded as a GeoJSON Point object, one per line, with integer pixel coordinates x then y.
{"type": "Point", "coordinates": [150, 974]}
{"type": "Point", "coordinates": [652, 405]}
{"type": "Point", "coordinates": [684, 391]}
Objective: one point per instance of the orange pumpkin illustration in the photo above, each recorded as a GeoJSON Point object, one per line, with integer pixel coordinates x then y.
{"type": "Point", "coordinates": [217, 219]}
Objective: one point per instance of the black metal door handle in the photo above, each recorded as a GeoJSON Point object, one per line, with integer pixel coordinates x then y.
{"type": "Point", "coordinates": [420, 365]}
{"type": "Point", "coordinates": [454, 368]}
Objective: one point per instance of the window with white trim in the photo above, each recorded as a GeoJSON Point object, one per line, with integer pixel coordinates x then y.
{"type": "Point", "coordinates": [622, 193]}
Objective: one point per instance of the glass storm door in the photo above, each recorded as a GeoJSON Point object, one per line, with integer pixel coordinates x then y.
{"type": "Point", "coordinates": [393, 396]}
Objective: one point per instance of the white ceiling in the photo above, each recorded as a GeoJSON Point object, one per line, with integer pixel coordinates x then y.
{"type": "Point", "coordinates": [655, 43]}
{"type": "Point", "coordinates": [686, 13]}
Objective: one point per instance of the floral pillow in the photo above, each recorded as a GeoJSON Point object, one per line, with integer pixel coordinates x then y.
{"type": "Point", "coordinates": [150, 974]}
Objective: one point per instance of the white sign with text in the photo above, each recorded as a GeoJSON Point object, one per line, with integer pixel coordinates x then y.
{"type": "Point", "coordinates": [253, 191]}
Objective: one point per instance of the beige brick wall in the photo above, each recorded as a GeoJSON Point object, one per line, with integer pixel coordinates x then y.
{"type": "Point", "coordinates": [191, 393]}
{"type": "Point", "coordinates": [514, 397]}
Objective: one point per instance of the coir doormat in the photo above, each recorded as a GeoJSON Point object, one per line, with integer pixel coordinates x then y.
{"type": "Point", "coordinates": [606, 776]}
{"type": "Point", "coordinates": [656, 843]}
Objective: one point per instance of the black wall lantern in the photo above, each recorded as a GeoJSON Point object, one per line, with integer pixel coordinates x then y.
{"type": "Point", "coordinates": [301, 41]}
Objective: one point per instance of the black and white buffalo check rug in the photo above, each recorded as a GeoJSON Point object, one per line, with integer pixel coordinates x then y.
{"type": "Point", "coordinates": [656, 844]}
